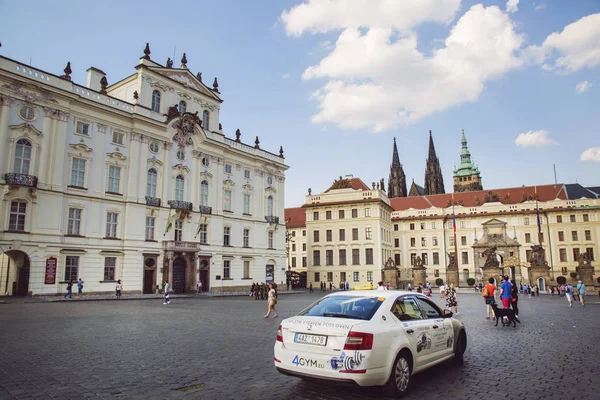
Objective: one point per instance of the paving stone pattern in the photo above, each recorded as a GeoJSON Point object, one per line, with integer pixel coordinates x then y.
{"type": "Point", "coordinates": [222, 348]}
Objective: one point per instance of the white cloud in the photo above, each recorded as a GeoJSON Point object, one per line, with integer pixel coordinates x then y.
{"type": "Point", "coordinates": [537, 138]}
{"type": "Point", "coordinates": [540, 7]}
{"type": "Point", "coordinates": [583, 87]}
{"type": "Point", "coordinates": [591, 154]}
{"type": "Point", "coordinates": [320, 16]}
{"type": "Point", "coordinates": [285, 76]}
{"type": "Point", "coordinates": [392, 82]}
{"type": "Point", "coordinates": [512, 6]}
{"type": "Point", "coordinates": [578, 45]}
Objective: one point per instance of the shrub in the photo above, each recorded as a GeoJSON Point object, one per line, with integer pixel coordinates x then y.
{"type": "Point", "coordinates": [470, 281]}
{"type": "Point", "coordinates": [561, 280]}
{"type": "Point", "coordinates": [573, 275]}
{"type": "Point", "coordinates": [440, 281]}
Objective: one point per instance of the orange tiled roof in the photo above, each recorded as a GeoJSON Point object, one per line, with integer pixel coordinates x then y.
{"type": "Point", "coordinates": [295, 217]}
{"type": "Point", "coordinates": [471, 199]}
{"type": "Point", "coordinates": [355, 183]}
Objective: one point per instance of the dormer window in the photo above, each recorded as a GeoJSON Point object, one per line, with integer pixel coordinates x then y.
{"type": "Point", "coordinates": [156, 101]}
{"type": "Point", "coordinates": [182, 107]}
{"type": "Point", "coordinates": [205, 119]}
{"type": "Point", "coordinates": [83, 128]}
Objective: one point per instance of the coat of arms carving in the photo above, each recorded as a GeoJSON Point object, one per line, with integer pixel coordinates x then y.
{"type": "Point", "coordinates": [186, 127]}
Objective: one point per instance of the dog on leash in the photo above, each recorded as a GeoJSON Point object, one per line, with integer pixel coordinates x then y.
{"type": "Point", "coordinates": [507, 313]}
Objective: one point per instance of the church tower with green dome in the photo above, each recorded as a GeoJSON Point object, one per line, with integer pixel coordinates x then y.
{"type": "Point", "coordinates": [467, 177]}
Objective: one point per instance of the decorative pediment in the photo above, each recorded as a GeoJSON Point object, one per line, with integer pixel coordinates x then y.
{"type": "Point", "coordinates": [181, 168]}
{"type": "Point", "coordinates": [493, 223]}
{"type": "Point", "coordinates": [116, 156]}
{"type": "Point", "coordinates": [247, 187]}
{"type": "Point", "coordinates": [187, 79]}
{"type": "Point", "coordinates": [271, 189]}
{"type": "Point", "coordinates": [27, 129]}
{"type": "Point", "coordinates": [154, 162]}
{"type": "Point", "coordinates": [206, 174]}
{"type": "Point", "coordinates": [157, 84]}
{"type": "Point", "coordinates": [42, 96]}
{"type": "Point", "coordinates": [81, 147]}
{"type": "Point", "coordinates": [228, 182]}
{"type": "Point", "coordinates": [184, 95]}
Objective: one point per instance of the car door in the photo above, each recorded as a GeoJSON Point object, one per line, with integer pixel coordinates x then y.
{"type": "Point", "coordinates": [442, 331]}
{"type": "Point", "coordinates": [409, 318]}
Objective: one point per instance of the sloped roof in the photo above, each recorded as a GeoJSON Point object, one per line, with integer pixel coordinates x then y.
{"type": "Point", "coordinates": [186, 78]}
{"type": "Point", "coordinates": [576, 191]}
{"type": "Point", "coordinates": [295, 217]}
{"type": "Point", "coordinates": [355, 183]}
{"type": "Point", "coordinates": [473, 199]}
{"type": "Point", "coordinates": [416, 190]}
{"type": "Point", "coordinates": [595, 189]}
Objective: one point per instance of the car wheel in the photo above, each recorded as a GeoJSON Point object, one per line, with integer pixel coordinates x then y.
{"type": "Point", "coordinates": [398, 383]}
{"type": "Point", "coordinates": [459, 351]}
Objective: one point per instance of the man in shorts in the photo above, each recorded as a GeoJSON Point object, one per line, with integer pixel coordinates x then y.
{"type": "Point", "coordinates": [505, 292]}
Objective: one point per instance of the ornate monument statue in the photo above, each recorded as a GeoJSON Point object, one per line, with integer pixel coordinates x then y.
{"type": "Point", "coordinates": [452, 261]}
{"type": "Point", "coordinates": [418, 263]}
{"type": "Point", "coordinates": [584, 260]}
{"type": "Point", "coordinates": [340, 184]}
{"type": "Point", "coordinates": [538, 256]}
{"type": "Point", "coordinates": [491, 259]}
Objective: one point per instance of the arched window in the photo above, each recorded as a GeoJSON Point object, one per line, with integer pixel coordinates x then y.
{"type": "Point", "coordinates": [179, 183]}
{"type": "Point", "coordinates": [270, 206]}
{"type": "Point", "coordinates": [22, 157]}
{"type": "Point", "coordinates": [156, 101]}
{"type": "Point", "coordinates": [204, 193]}
{"type": "Point", "coordinates": [205, 119]}
{"type": "Point", "coordinates": [151, 183]}
{"type": "Point", "coordinates": [182, 107]}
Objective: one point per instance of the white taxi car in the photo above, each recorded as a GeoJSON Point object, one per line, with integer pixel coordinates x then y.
{"type": "Point", "coordinates": [369, 338]}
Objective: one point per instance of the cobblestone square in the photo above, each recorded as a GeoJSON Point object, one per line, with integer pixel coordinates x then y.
{"type": "Point", "coordinates": [222, 348]}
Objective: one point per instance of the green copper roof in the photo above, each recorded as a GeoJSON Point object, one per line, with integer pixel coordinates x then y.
{"type": "Point", "coordinates": [466, 167]}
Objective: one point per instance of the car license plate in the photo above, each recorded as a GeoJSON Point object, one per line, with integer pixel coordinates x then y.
{"type": "Point", "coordinates": [310, 339]}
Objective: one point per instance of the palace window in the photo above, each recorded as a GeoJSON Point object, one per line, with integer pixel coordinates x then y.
{"type": "Point", "coordinates": [179, 187]}
{"type": "Point", "coordinates": [205, 119]}
{"type": "Point", "coordinates": [82, 128]}
{"type": "Point", "coordinates": [397, 259]}
{"type": "Point", "coordinates": [71, 267]}
{"type": "Point", "coordinates": [367, 212]}
{"type": "Point", "coordinates": [118, 138]}
{"type": "Point", "coordinates": [293, 262]}
{"type": "Point", "coordinates": [156, 101]}
{"type": "Point", "coordinates": [574, 236]}
{"type": "Point", "coordinates": [304, 262]}
{"type": "Point", "coordinates": [316, 257]}
{"type": "Point", "coordinates": [342, 256]}
{"type": "Point", "coordinates": [562, 253]}
{"type": "Point", "coordinates": [182, 107]}
{"type": "Point", "coordinates": [341, 214]}
{"type": "Point", "coordinates": [561, 236]}
{"type": "Point", "coordinates": [151, 180]}
{"type": "Point", "coordinates": [588, 235]}
{"type": "Point", "coordinates": [304, 246]}
{"type": "Point", "coordinates": [526, 221]}
{"type": "Point", "coordinates": [330, 277]}
{"type": "Point", "coordinates": [247, 237]}
{"type": "Point", "coordinates": [226, 235]}
{"type": "Point", "coordinates": [586, 218]}
{"type": "Point", "coordinates": [396, 242]}
{"type": "Point", "coordinates": [369, 256]}
{"type": "Point", "coordinates": [413, 242]}
{"type": "Point", "coordinates": [528, 238]}
{"type": "Point", "coordinates": [110, 263]}
{"type": "Point", "coordinates": [590, 253]}
{"type": "Point", "coordinates": [423, 242]}
{"type": "Point", "coordinates": [424, 258]}
{"type": "Point", "coordinates": [559, 219]}
{"type": "Point", "coordinates": [247, 173]}
{"type": "Point", "coordinates": [317, 277]}
{"type": "Point", "coordinates": [153, 146]}
{"type": "Point", "coordinates": [74, 221]}
{"type": "Point", "coordinates": [315, 216]}
{"type": "Point", "coordinates": [369, 276]}
{"type": "Point", "coordinates": [111, 224]}
{"type": "Point", "coordinates": [150, 223]}
{"type": "Point", "coordinates": [329, 235]}
{"type": "Point", "coordinates": [204, 193]}
{"type": "Point", "coordinates": [271, 240]}
{"type": "Point", "coordinates": [22, 157]}
{"type": "Point", "coordinates": [368, 233]}
{"type": "Point", "coordinates": [246, 203]}
{"type": "Point", "coordinates": [355, 276]}
{"type": "Point", "coordinates": [395, 227]}
{"type": "Point", "coordinates": [465, 257]}
{"type": "Point", "coordinates": [203, 233]}
{"type": "Point", "coordinates": [78, 172]}
{"type": "Point", "coordinates": [114, 179]}
{"type": "Point", "coordinates": [270, 206]}
{"type": "Point", "coordinates": [412, 227]}
{"type": "Point", "coordinates": [293, 246]}
{"type": "Point", "coordinates": [342, 235]}
{"type": "Point", "coordinates": [355, 256]}
{"type": "Point", "coordinates": [226, 269]}
{"type": "Point", "coordinates": [463, 240]}
{"type": "Point", "coordinates": [178, 231]}
{"type": "Point", "coordinates": [576, 253]}
{"type": "Point", "coordinates": [354, 233]}
{"type": "Point", "coordinates": [572, 218]}
{"type": "Point", "coordinates": [434, 241]}
{"type": "Point", "coordinates": [328, 257]}
{"type": "Point", "coordinates": [227, 200]}
{"type": "Point", "coordinates": [354, 213]}
{"type": "Point", "coordinates": [247, 269]}
{"type": "Point", "coordinates": [315, 236]}
{"type": "Point", "coordinates": [228, 168]}
{"type": "Point", "coordinates": [18, 211]}
{"type": "Point", "coordinates": [327, 214]}
{"type": "Point", "coordinates": [436, 258]}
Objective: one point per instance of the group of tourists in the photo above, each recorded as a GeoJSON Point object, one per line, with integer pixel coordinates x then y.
{"type": "Point", "coordinates": [508, 293]}
{"type": "Point", "coordinates": [69, 293]}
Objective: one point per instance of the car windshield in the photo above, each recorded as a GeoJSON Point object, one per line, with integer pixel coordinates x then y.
{"type": "Point", "coordinates": [355, 307]}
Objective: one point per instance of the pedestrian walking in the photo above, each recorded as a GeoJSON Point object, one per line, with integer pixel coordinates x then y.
{"type": "Point", "coordinates": [515, 298]}
{"type": "Point", "coordinates": [569, 294]}
{"type": "Point", "coordinates": [537, 291]}
{"type": "Point", "coordinates": [452, 299]}
{"type": "Point", "coordinates": [505, 292]}
{"type": "Point", "coordinates": [488, 295]}
{"type": "Point", "coordinates": [409, 287]}
{"type": "Point", "coordinates": [272, 300]}
{"type": "Point", "coordinates": [118, 289]}
{"type": "Point", "coordinates": [581, 289]}
{"type": "Point", "coordinates": [79, 287]}
{"type": "Point", "coordinates": [347, 286]}
{"type": "Point", "coordinates": [310, 289]}
{"type": "Point", "coordinates": [69, 290]}
{"type": "Point", "coordinates": [167, 300]}
{"type": "Point", "coordinates": [381, 286]}
{"type": "Point", "coordinates": [199, 287]}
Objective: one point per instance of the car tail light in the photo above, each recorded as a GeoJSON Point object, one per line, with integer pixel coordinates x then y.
{"type": "Point", "coordinates": [279, 334]}
{"type": "Point", "coordinates": [359, 341]}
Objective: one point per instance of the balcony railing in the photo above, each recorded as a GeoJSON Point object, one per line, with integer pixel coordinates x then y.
{"type": "Point", "coordinates": [152, 201]}
{"type": "Point", "coordinates": [181, 205]}
{"type": "Point", "coordinates": [272, 220]}
{"type": "Point", "coordinates": [21, 180]}
{"type": "Point", "coordinates": [172, 245]}
{"type": "Point", "coordinates": [205, 210]}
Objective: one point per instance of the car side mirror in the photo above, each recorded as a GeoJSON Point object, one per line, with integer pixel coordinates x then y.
{"type": "Point", "coordinates": [448, 314]}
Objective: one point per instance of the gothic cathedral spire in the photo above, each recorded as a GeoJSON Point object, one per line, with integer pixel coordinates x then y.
{"type": "Point", "coordinates": [434, 180]}
{"type": "Point", "coordinates": [397, 181]}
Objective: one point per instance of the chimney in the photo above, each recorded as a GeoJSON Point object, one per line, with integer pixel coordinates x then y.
{"type": "Point", "coordinates": [94, 75]}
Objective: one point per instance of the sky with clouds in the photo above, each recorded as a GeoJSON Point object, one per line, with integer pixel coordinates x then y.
{"type": "Point", "coordinates": [334, 81]}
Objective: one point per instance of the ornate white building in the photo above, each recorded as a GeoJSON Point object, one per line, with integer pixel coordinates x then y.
{"type": "Point", "coordinates": [133, 181]}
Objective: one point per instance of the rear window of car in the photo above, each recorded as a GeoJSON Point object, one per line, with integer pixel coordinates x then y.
{"type": "Point", "coordinates": [354, 307]}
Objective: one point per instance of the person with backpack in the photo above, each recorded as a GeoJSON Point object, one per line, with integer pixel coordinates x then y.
{"type": "Point", "coordinates": [515, 298]}
{"type": "Point", "coordinates": [581, 289]}
{"type": "Point", "coordinates": [569, 294]}
{"type": "Point", "coordinates": [487, 292]}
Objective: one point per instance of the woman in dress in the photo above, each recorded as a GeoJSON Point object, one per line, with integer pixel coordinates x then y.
{"type": "Point", "coordinates": [272, 300]}
{"type": "Point", "coordinates": [451, 300]}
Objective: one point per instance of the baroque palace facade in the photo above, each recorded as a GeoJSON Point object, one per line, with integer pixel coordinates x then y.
{"type": "Point", "coordinates": [133, 181]}
{"type": "Point", "coordinates": [350, 232]}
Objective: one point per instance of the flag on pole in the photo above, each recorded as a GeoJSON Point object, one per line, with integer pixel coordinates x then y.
{"type": "Point", "coordinates": [537, 212]}
{"type": "Point", "coordinates": [201, 222]}
{"type": "Point", "coordinates": [169, 223]}
{"type": "Point", "coordinates": [453, 215]}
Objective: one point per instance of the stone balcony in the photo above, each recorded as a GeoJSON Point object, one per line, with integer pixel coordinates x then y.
{"type": "Point", "coordinates": [181, 205]}
{"type": "Point", "coordinates": [21, 180]}
{"type": "Point", "coordinates": [173, 245]}
{"type": "Point", "coordinates": [205, 210]}
{"type": "Point", "coordinates": [152, 201]}
{"type": "Point", "coordinates": [272, 220]}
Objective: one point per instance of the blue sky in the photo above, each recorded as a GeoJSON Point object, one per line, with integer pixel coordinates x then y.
{"type": "Point", "coordinates": [335, 84]}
